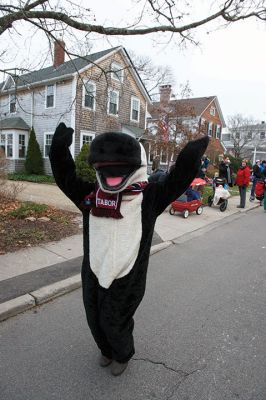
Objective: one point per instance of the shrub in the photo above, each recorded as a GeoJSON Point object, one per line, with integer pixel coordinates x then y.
{"type": "Point", "coordinates": [235, 162]}
{"type": "Point", "coordinates": [34, 161]}
{"type": "Point", "coordinates": [211, 171]}
{"type": "Point", "coordinates": [83, 169]}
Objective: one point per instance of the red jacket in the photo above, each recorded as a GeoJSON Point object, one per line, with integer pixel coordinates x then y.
{"type": "Point", "coordinates": [243, 176]}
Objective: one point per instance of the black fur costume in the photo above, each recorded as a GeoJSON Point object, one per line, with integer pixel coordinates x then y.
{"type": "Point", "coordinates": [110, 307]}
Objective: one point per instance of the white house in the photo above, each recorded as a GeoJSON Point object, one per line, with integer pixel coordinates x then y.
{"type": "Point", "coordinates": [249, 140]}
{"type": "Point", "coordinates": [92, 94]}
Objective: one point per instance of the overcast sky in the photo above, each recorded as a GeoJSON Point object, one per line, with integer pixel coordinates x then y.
{"type": "Point", "coordinates": [229, 63]}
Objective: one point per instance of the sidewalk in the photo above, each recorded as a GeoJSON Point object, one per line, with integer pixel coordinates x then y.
{"type": "Point", "coordinates": [33, 276]}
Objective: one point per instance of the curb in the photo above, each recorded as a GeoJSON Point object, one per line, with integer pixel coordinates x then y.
{"type": "Point", "coordinates": [54, 290]}
{"type": "Point", "coordinates": [23, 303]}
{"type": "Point", "coordinates": [199, 231]}
{"type": "Point", "coordinates": [15, 306]}
{"type": "Point", "coordinates": [40, 296]}
{"type": "Point", "coordinates": [159, 247]}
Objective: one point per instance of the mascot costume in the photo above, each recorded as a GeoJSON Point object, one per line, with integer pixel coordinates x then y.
{"type": "Point", "coordinates": [119, 214]}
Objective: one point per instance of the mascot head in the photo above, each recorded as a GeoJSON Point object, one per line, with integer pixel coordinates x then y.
{"type": "Point", "coordinates": [119, 161]}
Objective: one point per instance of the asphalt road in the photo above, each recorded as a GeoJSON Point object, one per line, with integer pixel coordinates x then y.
{"type": "Point", "coordinates": [199, 332]}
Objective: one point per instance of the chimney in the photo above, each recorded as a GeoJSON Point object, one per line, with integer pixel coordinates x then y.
{"type": "Point", "coordinates": [59, 52]}
{"type": "Point", "coordinates": [165, 93]}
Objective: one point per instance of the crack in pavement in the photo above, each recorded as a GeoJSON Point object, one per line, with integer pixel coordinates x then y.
{"type": "Point", "coordinates": [183, 375]}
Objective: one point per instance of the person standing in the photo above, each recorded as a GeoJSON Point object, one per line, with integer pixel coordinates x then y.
{"type": "Point", "coordinates": [158, 174]}
{"type": "Point", "coordinates": [263, 175]}
{"type": "Point", "coordinates": [242, 181]}
{"type": "Point", "coordinates": [256, 171]}
{"type": "Point", "coordinates": [226, 172]}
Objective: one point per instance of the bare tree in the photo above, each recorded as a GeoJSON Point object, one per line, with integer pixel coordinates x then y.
{"type": "Point", "coordinates": [240, 134]}
{"type": "Point", "coordinates": [154, 16]}
{"type": "Point", "coordinates": [164, 18]}
{"type": "Point", "coordinates": [174, 125]}
{"type": "Point", "coordinates": [152, 75]}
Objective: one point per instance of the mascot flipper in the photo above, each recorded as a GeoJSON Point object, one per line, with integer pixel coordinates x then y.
{"type": "Point", "coordinates": [119, 214]}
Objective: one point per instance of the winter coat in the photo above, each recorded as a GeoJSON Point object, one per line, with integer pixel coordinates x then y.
{"type": "Point", "coordinates": [157, 176]}
{"type": "Point", "coordinates": [223, 173]}
{"type": "Point", "coordinates": [243, 176]}
{"type": "Point", "coordinates": [192, 195]}
{"type": "Point", "coordinates": [257, 171]}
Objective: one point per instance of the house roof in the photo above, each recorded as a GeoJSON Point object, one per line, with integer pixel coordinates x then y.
{"type": "Point", "coordinates": [14, 123]}
{"type": "Point", "coordinates": [197, 104]}
{"type": "Point", "coordinates": [136, 131]}
{"type": "Point", "coordinates": [67, 68]}
{"type": "Point", "coordinates": [185, 107]}
{"type": "Point", "coordinates": [192, 107]}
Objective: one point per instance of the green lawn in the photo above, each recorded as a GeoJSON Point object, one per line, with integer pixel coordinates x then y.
{"type": "Point", "coordinates": [31, 178]}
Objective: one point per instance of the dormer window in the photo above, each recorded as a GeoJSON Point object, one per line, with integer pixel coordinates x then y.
{"type": "Point", "coordinates": [50, 96]}
{"type": "Point", "coordinates": [12, 104]}
{"type": "Point", "coordinates": [117, 72]}
{"type": "Point", "coordinates": [212, 111]}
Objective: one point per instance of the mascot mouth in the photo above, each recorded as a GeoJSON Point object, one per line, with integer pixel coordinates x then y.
{"type": "Point", "coordinates": [113, 175]}
{"type": "Point", "coordinates": [114, 181]}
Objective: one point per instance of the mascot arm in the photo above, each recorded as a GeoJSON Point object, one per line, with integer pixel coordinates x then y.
{"type": "Point", "coordinates": [63, 166]}
{"type": "Point", "coordinates": [178, 180]}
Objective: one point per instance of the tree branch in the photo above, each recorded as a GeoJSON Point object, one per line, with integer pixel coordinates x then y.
{"type": "Point", "coordinates": [230, 12]}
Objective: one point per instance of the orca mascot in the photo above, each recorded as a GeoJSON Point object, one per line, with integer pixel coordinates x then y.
{"type": "Point", "coordinates": [119, 214]}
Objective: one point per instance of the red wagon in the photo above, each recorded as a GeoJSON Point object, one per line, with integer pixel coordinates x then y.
{"type": "Point", "coordinates": [186, 207]}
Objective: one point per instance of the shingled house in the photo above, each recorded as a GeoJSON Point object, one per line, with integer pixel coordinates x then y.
{"type": "Point", "coordinates": [174, 121]}
{"type": "Point", "coordinates": [92, 94]}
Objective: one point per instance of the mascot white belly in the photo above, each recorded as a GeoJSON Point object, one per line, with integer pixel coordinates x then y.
{"type": "Point", "coordinates": [114, 243]}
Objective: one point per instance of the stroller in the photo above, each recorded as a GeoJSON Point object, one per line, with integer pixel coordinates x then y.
{"type": "Point", "coordinates": [220, 194]}
{"type": "Point", "coordinates": [259, 191]}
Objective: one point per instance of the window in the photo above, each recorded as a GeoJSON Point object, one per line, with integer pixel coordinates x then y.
{"type": "Point", "coordinates": [237, 135]}
{"type": "Point", "coordinates": [212, 110]}
{"type": "Point", "coordinates": [89, 95]}
{"type": "Point", "coordinates": [226, 137]}
{"type": "Point", "coordinates": [117, 72]}
{"type": "Point", "coordinates": [210, 129]}
{"type": "Point", "coordinates": [152, 153]}
{"type": "Point", "coordinates": [12, 104]}
{"type": "Point", "coordinates": [262, 135]}
{"type": "Point", "coordinates": [135, 107]}
{"type": "Point", "coordinates": [86, 138]}
{"type": "Point", "coordinates": [6, 144]}
{"type": "Point", "coordinates": [249, 135]}
{"type": "Point", "coordinates": [21, 146]}
{"type": "Point", "coordinates": [47, 143]}
{"type": "Point", "coordinates": [163, 157]}
{"type": "Point", "coordinates": [218, 132]}
{"type": "Point", "coordinates": [3, 142]}
{"type": "Point", "coordinates": [113, 102]}
{"type": "Point", "coordinates": [9, 145]}
{"type": "Point", "coordinates": [50, 96]}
